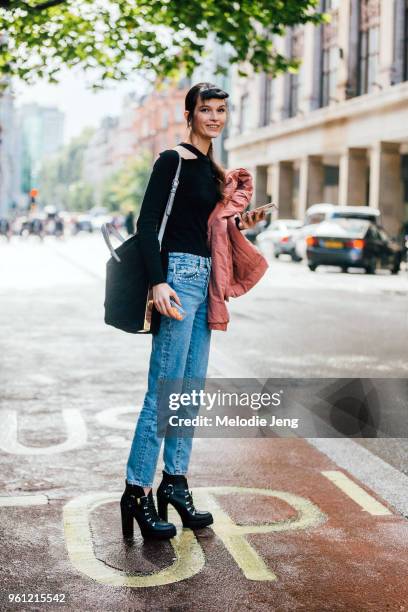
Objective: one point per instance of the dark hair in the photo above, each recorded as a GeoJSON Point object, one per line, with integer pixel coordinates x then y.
{"type": "Point", "coordinates": [205, 91]}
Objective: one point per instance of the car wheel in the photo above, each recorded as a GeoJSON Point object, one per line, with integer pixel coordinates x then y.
{"type": "Point", "coordinates": [312, 267]}
{"type": "Point", "coordinates": [344, 269]}
{"type": "Point", "coordinates": [296, 257]}
{"type": "Point", "coordinates": [276, 255]}
{"type": "Point", "coordinates": [372, 266]}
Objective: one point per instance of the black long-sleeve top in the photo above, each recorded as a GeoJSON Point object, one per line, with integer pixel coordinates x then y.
{"type": "Point", "coordinates": [186, 230]}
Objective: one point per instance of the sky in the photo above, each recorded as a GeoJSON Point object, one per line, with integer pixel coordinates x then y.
{"type": "Point", "coordinates": [80, 105]}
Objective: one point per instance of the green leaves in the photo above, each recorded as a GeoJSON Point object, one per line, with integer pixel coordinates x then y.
{"type": "Point", "coordinates": [159, 37]}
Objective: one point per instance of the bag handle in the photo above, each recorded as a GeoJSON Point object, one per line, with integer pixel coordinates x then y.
{"type": "Point", "coordinates": [109, 228]}
{"type": "Point", "coordinates": [170, 201]}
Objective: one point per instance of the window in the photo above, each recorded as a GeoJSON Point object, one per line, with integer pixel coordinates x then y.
{"type": "Point", "coordinates": [368, 45]}
{"type": "Point", "coordinates": [266, 100]}
{"type": "Point", "coordinates": [383, 235]}
{"type": "Point", "coordinates": [400, 55]}
{"type": "Point", "coordinates": [165, 119]}
{"type": "Point", "coordinates": [405, 42]}
{"type": "Point", "coordinates": [244, 113]}
{"type": "Point", "coordinates": [329, 55]}
{"type": "Point", "coordinates": [375, 234]}
{"type": "Point", "coordinates": [331, 175]}
{"type": "Point", "coordinates": [296, 51]}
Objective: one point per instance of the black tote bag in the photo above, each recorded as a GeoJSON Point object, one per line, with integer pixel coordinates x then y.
{"type": "Point", "coordinates": [128, 297]}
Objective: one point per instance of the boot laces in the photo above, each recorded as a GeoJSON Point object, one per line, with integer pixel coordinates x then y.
{"type": "Point", "coordinates": [149, 509]}
{"type": "Point", "coordinates": [188, 495]}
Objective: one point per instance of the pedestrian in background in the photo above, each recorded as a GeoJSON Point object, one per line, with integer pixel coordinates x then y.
{"type": "Point", "coordinates": [180, 348]}
{"type": "Point", "coordinates": [130, 223]}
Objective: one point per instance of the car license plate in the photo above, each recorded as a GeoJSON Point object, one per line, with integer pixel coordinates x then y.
{"type": "Point", "coordinates": [333, 244]}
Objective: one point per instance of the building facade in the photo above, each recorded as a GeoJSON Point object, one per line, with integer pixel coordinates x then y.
{"type": "Point", "coordinates": [9, 184]}
{"type": "Point", "coordinates": [101, 157]}
{"type": "Point", "coordinates": [159, 121]}
{"type": "Point", "coordinates": [42, 135]}
{"type": "Point", "coordinates": [337, 131]}
{"type": "Point", "coordinates": [124, 136]}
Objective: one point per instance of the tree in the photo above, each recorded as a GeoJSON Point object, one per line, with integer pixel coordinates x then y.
{"type": "Point", "coordinates": [124, 190]}
{"type": "Point", "coordinates": [158, 38]}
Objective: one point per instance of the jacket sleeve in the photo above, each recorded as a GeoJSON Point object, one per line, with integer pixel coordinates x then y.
{"type": "Point", "coordinates": [151, 212]}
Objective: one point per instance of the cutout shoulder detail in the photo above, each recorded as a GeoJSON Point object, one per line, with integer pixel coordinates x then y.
{"type": "Point", "coordinates": [185, 153]}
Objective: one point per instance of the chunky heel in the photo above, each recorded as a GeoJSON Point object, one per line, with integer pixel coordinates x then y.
{"type": "Point", "coordinates": [127, 523]}
{"type": "Point", "coordinates": [162, 504]}
{"type": "Point", "coordinates": [136, 505]}
{"type": "Point", "coordinates": [174, 490]}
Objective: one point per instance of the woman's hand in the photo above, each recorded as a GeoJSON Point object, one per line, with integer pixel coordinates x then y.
{"type": "Point", "coordinates": [251, 218]}
{"type": "Point", "coordinates": [161, 299]}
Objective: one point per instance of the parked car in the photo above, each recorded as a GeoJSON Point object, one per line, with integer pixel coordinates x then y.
{"type": "Point", "coordinates": [82, 223]}
{"type": "Point", "coordinates": [353, 243]}
{"type": "Point", "coordinates": [403, 236]}
{"type": "Point", "coordinates": [314, 214]}
{"type": "Point", "coordinates": [31, 226]}
{"type": "Point", "coordinates": [356, 212]}
{"type": "Point", "coordinates": [322, 212]}
{"type": "Point", "coordinates": [277, 239]}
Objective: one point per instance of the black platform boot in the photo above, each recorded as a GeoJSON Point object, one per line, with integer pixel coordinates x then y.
{"type": "Point", "coordinates": [174, 490]}
{"type": "Point", "coordinates": [135, 504]}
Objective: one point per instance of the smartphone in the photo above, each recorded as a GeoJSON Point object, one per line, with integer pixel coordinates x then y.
{"type": "Point", "coordinates": [265, 207]}
{"type": "Point", "coordinates": [179, 311]}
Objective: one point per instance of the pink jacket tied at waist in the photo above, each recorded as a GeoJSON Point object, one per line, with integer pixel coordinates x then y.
{"type": "Point", "coordinates": [237, 265]}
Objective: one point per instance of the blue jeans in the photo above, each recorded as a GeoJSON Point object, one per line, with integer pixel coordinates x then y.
{"type": "Point", "coordinates": [180, 350]}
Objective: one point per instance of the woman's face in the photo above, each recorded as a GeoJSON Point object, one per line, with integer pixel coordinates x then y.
{"type": "Point", "coordinates": [209, 117]}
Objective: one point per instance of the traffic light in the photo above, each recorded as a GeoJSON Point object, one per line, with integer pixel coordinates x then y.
{"type": "Point", "coordinates": [33, 197]}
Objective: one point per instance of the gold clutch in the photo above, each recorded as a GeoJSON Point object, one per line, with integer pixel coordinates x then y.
{"type": "Point", "coordinates": [148, 311]}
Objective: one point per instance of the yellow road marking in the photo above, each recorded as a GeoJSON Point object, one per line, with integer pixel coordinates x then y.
{"type": "Point", "coordinates": [356, 493]}
{"type": "Point", "coordinates": [233, 535]}
{"type": "Point", "coordinates": [189, 554]}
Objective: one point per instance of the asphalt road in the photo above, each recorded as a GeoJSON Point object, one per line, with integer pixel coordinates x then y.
{"type": "Point", "coordinates": [301, 524]}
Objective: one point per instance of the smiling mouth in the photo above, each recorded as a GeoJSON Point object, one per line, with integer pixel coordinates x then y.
{"type": "Point", "coordinates": [213, 127]}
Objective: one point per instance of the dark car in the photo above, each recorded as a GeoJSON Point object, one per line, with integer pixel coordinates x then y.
{"type": "Point", "coordinates": [353, 243]}
{"type": "Point", "coordinates": [368, 213]}
{"type": "Point", "coordinates": [403, 236]}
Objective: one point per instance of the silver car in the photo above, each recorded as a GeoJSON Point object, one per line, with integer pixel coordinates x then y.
{"type": "Point", "coordinates": [277, 239]}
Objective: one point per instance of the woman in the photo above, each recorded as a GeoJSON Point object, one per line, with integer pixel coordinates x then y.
{"type": "Point", "coordinates": [180, 349]}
